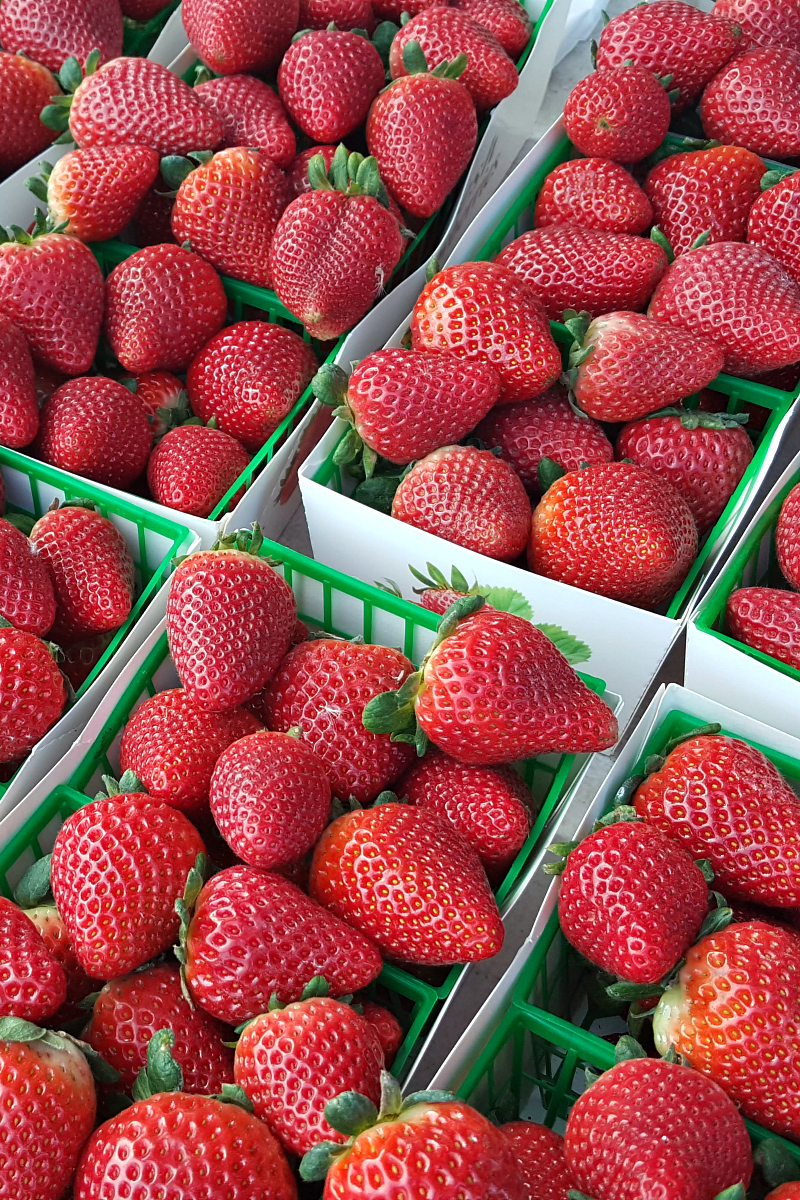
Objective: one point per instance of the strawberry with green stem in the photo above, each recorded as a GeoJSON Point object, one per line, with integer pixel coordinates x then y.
{"type": "Point", "coordinates": [164, 397]}
{"type": "Point", "coordinates": [773, 219]}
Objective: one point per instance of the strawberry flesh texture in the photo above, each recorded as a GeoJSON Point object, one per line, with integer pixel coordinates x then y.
{"type": "Point", "coordinates": [621, 113]}
{"type": "Point", "coordinates": [328, 80]}
{"type": "Point", "coordinates": [593, 193]}
{"type": "Point", "coordinates": [298, 174]}
{"type": "Point", "coordinates": [48, 921]}
{"type": "Point", "coordinates": [50, 31]}
{"type": "Point", "coordinates": [387, 1027]}
{"type": "Point", "coordinates": [786, 1191]}
{"type": "Point", "coordinates": [33, 692]}
{"type": "Point", "coordinates": [755, 102]}
{"type": "Point", "coordinates": [192, 468]}
{"type": "Point", "coordinates": [539, 1154]}
{"type": "Point", "coordinates": [767, 619]}
{"type": "Point", "coordinates": [251, 115]}
{"type": "Point", "coordinates": [506, 19]}
{"type": "Point", "coordinates": [142, 10]}
{"type": "Point", "coordinates": [158, 389]}
{"type": "Point", "coordinates": [345, 14]}
{"type": "Point", "coordinates": [25, 89]}
{"type": "Point", "coordinates": [98, 190]}
{"type": "Point", "coordinates": [33, 985]}
{"type": "Point", "coordinates": [94, 427]}
{"type": "Point", "coordinates": [787, 538]}
{"type": "Point", "coordinates": [27, 599]}
{"type": "Point", "coordinates": [774, 222]}
{"type": "Point", "coordinates": [231, 37]}
{"type": "Point", "coordinates": [764, 22]}
{"type": "Point", "coordinates": [392, 10]}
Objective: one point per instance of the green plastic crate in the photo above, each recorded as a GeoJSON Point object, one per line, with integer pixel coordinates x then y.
{"type": "Point", "coordinates": [140, 36]}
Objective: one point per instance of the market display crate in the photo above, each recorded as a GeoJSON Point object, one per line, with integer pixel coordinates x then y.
{"type": "Point", "coordinates": [140, 36]}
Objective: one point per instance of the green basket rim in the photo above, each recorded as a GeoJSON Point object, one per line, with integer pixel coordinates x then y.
{"type": "Point", "coordinates": [139, 37]}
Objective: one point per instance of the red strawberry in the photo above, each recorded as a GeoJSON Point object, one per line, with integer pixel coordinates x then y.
{"type": "Point", "coordinates": [26, 591]}
{"type": "Point", "coordinates": [193, 467]}
{"type": "Point", "coordinates": [743, 978]}
{"type": "Point", "coordinates": [254, 934]}
{"type": "Point", "coordinates": [483, 311]}
{"type": "Point", "coordinates": [152, 224]}
{"type": "Point", "coordinates": [118, 867]}
{"type": "Point", "coordinates": [673, 38]}
{"type": "Point", "coordinates": [172, 745]}
{"type": "Point", "coordinates": [322, 687]}
{"type": "Point", "coordinates": [703, 456]}
{"type": "Point", "coordinates": [141, 11]}
{"type": "Point", "coordinates": [539, 1154]}
{"type": "Point", "coordinates": [538, 703]}
{"type": "Point", "coordinates": [787, 538]}
{"type": "Point", "coordinates": [785, 1191]}
{"type": "Point", "coordinates": [392, 10]}
{"type": "Point", "coordinates": [96, 192]}
{"type": "Point", "coordinates": [249, 377]}
{"type": "Point", "coordinates": [162, 306]}
{"type": "Point", "coordinates": [444, 33]}
{"type": "Point", "coordinates": [228, 208]}
{"type": "Point", "coordinates": [298, 174]}
{"type": "Point", "coordinates": [704, 192]}
{"type": "Point", "coordinates": [615, 529]}
{"type": "Point", "coordinates": [594, 193]}
{"type": "Point", "coordinates": [469, 497]}
{"type": "Point", "coordinates": [34, 692]}
{"type": "Point", "coordinates": [387, 1027]}
{"type": "Point", "coordinates": [25, 89]}
{"type": "Point", "coordinates": [292, 1061]}
{"type": "Point", "coordinates": [52, 288]}
{"type": "Point", "coordinates": [50, 31]}
{"type": "Point", "coordinates": [345, 14]}
{"type": "Point", "coordinates": [230, 37]}
{"type": "Point", "coordinates": [251, 115]}
{"type": "Point", "coordinates": [621, 113]}
{"type": "Point", "coordinates": [506, 19]}
{"type": "Point", "coordinates": [163, 396]}
{"type": "Point", "coordinates": [422, 130]}
{"type": "Point", "coordinates": [33, 985]}
{"type": "Point", "coordinates": [767, 619]}
{"type": "Point", "coordinates": [53, 931]}
{"type": "Point", "coordinates": [764, 22]}
{"type": "Point", "coordinates": [753, 102]}
{"type": "Point", "coordinates": [19, 410]}
{"type": "Point", "coordinates": [81, 657]}
{"type": "Point", "coordinates": [129, 1011]}
{"type": "Point", "coordinates": [353, 74]}
{"type": "Point", "coordinates": [585, 269]}
{"type": "Point", "coordinates": [94, 427]}
{"type": "Point", "coordinates": [625, 364]}
{"type": "Point", "coordinates": [773, 223]}
{"type": "Point", "coordinates": [271, 798]}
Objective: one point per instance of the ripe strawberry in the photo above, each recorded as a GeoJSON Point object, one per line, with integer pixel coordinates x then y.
{"type": "Point", "coordinates": [254, 934]}
{"type": "Point", "coordinates": [506, 19]}
{"type": "Point", "coordinates": [588, 270]}
{"type": "Point", "coordinates": [33, 985]}
{"type": "Point", "coordinates": [298, 174]}
{"type": "Point", "coordinates": [118, 867]}
{"type": "Point", "coordinates": [142, 11]}
{"type": "Point", "coordinates": [753, 102]}
{"type": "Point", "coordinates": [53, 931]}
{"type": "Point", "coordinates": [228, 208]}
{"type": "Point", "coordinates": [768, 619]}
{"type": "Point", "coordinates": [52, 288]}
{"type": "Point", "coordinates": [785, 1191]}
{"type": "Point", "coordinates": [615, 529]}
{"type": "Point", "coordinates": [129, 1011]}
{"type": "Point", "coordinates": [34, 692]}
{"type": "Point", "coordinates": [621, 113]}
{"type": "Point", "coordinates": [704, 192]}
{"type": "Point", "coordinates": [95, 192]}
{"type": "Point", "coordinates": [164, 398]}
{"type": "Point", "coordinates": [722, 799]}
{"type": "Point", "coordinates": [19, 411]}
{"type": "Point", "coordinates": [94, 427]}
{"type": "Point", "coordinates": [249, 377]}
{"type": "Point", "coordinates": [172, 745]}
{"type": "Point", "coordinates": [251, 115]}
{"type": "Point", "coordinates": [649, 1128]}
{"type": "Point", "coordinates": [764, 22]}
{"type": "Point", "coordinates": [291, 1061]}
{"type": "Point", "coordinates": [192, 468]}
{"type": "Point", "coordinates": [387, 1027]}
{"type": "Point", "coordinates": [392, 10]}
{"type": "Point", "coordinates": [50, 31]}
{"type": "Point", "coordinates": [539, 1155]}
{"type": "Point", "coordinates": [81, 658]}
{"type": "Point", "coordinates": [703, 456]}
{"type": "Point", "coordinates": [230, 37]}
{"type": "Point", "coordinates": [625, 364]}
{"type": "Point", "coordinates": [444, 33]}
{"type": "Point", "coordinates": [25, 89]}
{"type": "Point", "coordinates": [345, 14]}
{"type": "Point", "coordinates": [26, 591]}
{"type": "Point", "coordinates": [773, 223]}
{"type": "Point", "coordinates": [485, 312]}
{"type": "Point", "coordinates": [787, 538]}
{"type": "Point", "coordinates": [162, 306]}
{"type": "Point", "coordinates": [422, 130]}
{"type": "Point", "coordinates": [353, 74]}
{"type": "Point", "coordinates": [152, 223]}
{"type": "Point", "coordinates": [594, 193]}
{"type": "Point", "coordinates": [671, 37]}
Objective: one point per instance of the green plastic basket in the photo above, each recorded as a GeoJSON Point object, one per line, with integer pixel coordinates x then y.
{"type": "Point", "coordinates": [140, 36]}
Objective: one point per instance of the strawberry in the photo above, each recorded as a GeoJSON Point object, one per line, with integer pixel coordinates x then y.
{"type": "Point", "coordinates": [387, 1027]}
{"type": "Point", "coordinates": [353, 74]}
{"type": "Point", "coordinates": [345, 14]}
{"type": "Point", "coordinates": [81, 658]}
{"type": "Point", "coordinates": [52, 288]}
{"type": "Point", "coordinates": [298, 173]}
{"type": "Point", "coordinates": [291, 1061]}
{"type": "Point", "coordinates": [254, 934]}
{"type": "Point", "coordinates": [164, 399]}
{"type": "Point", "coordinates": [506, 19]}
{"type": "Point", "coordinates": [25, 89]}
{"type": "Point", "coordinates": [768, 619]}
{"type": "Point", "coordinates": [585, 269]}
{"type": "Point", "coordinates": [53, 931]}
{"type": "Point", "coordinates": [624, 364]}
{"type": "Point", "coordinates": [423, 130]}
{"type": "Point", "coordinates": [50, 31]}
{"type": "Point", "coordinates": [129, 1011]}
{"type": "Point", "coordinates": [172, 745]}
{"type": "Point", "coordinates": [703, 456]}
{"type": "Point", "coordinates": [193, 467]}
{"type": "Point", "coordinates": [764, 22]}
{"type": "Point", "coordinates": [94, 193]}
{"type": "Point", "coordinates": [270, 797]}
{"type": "Point", "coordinates": [162, 306]}
{"type": "Point", "coordinates": [322, 687]}
{"type": "Point", "coordinates": [19, 411]}
{"type": "Point", "coordinates": [94, 427]}
{"type": "Point", "coordinates": [118, 867]}
{"type": "Point", "coordinates": [491, 807]}
{"type": "Point", "coordinates": [230, 37]}
{"type": "Point", "coordinates": [673, 38]}
{"type": "Point", "coordinates": [594, 193]}
{"type": "Point", "coordinates": [740, 979]}
{"type": "Point", "coordinates": [722, 799]}
{"type": "Point", "coordinates": [444, 33]}
{"type": "Point", "coordinates": [336, 246]}
{"type": "Point", "coordinates": [34, 692]}
{"type": "Point", "coordinates": [787, 538]}
{"type": "Point", "coordinates": [392, 10]}
{"type": "Point", "coordinates": [468, 497]}
{"type": "Point", "coordinates": [152, 223]}
{"type": "Point", "coordinates": [773, 222]}
{"type": "Point", "coordinates": [706, 192]}
{"type": "Point", "coordinates": [753, 102]}
{"type": "Point", "coordinates": [649, 1128]}
{"type": "Point", "coordinates": [785, 1191]}
{"type": "Point", "coordinates": [538, 703]}
{"type": "Point", "coordinates": [27, 600]}
{"type": "Point", "coordinates": [484, 311]}
{"type": "Point", "coordinates": [621, 113]}
{"type": "Point", "coordinates": [33, 985]}
{"type": "Point", "coordinates": [249, 377]}
{"type": "Point", "coordinates": [616, 529]}
{"type": "Point", "coordinates": [142, 11]}
{"type": "Point", "coordinates": [251, 115]}
{"type": "Point", "coordinates": [539, 1155]}
{"type": "Point", "coordinates": [227, 209]}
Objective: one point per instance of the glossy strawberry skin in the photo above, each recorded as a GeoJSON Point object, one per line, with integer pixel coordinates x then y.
{"type": "Point", "coordinates": [539, 1154]}
{"type": "Point", "coordinates": [353, 73]}
{"type": "Point", "coordinates": [438, 600]}
{"type": "Point", "coordinates": [764, 22]}
{"type": "Point", "coordinates": [50, 924]}
{"type": "Point", "coordinates": [588, 270]}
{"type": "Point", "coordinates": [192, 468]}
{"type": "Point", "coordinates": [25, 89]}
{"type": "Point", "coordinates": [753, 102]}
{"type": "Point", "coordinates": [159, 390]}
{"type": "Point", "coordinates": [506, 19]}
{"type": "Point", "coordinates": [49, 31]}
{"type": "Point", "coordinates": [767, 619]}
{"type": "Point", "coordinates": [298, 174]}
{"type": "Point", "coordinates": [254, 933]}
{"type": "Point", "coordinates": [231, 38]}
{"type": "Point", "coordinates": [594, 193]}
{"type": "Point", "coordinates": [34, 690]}
{"type": "Point", "coordinates": [97, 191]}
{"type": "Point", "coordinates": [26, 591]}
{"type": "Point", "coordinates": [387, 1027]}
{"type": "Point", "coordinates": [773, 223]}
{"type": "Point", "coordinates": [621, 113]}
{"type": "Point", "coordinates": [345, 14]}
{"type": "Point", "coordinates": [33, 985]}
{"type": "Point", "coordinates": [787, 538]}
{"type": "Point", "coordinates": [94, 427]}
{"type": "Point", "coordinates": [251, 115]}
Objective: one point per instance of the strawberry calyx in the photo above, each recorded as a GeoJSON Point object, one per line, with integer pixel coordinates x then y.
{"type": "Point", "coordinates": [352, 174]}
{"type": "Point", "coordinates": [776, 1163]}
{"type": "Point", "coordinates": [38, 183]}
{"type": "Point", "coordinates": [665, 150]}
{"type": "Point", "coordinates": [693, 418]}
{"type": "Point", "coordinates": [55, 115]}
{"type": "Point", "coordinates": [184, 907]}
{"type": "Point", "coordinates": [15, 1029]}
{"type": "Point", "coordinates": [20, 521]}
{"type": "Point", "coordinates": [770, 178]}
{"type": "Point", "coordinates": [42, 224]}
{"type": "Point", "coordinates": [128, 784]}
{"type": "Point", "coordinates": [660, 239]}
{"type": "Point", "coordinates": [33, 889]}
{"type": "Point", "coordinates": [178, 414]}
{"type": "Point", "coordinates": [247, 541]}
{"type": "Point", "coordinates": [177, 167]}
{"type": "Point", "coordinates": [415, 63]}
{"type": "Point", "coordinates": [163, 1074]}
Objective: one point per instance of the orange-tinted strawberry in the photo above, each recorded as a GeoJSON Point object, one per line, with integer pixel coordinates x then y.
{"type": "Point", "coordinates": [33, 985]}
{"type": "Point", "coordinates": [231, 37]}
{"type": "Point", "coordinates": [163, 397]}
{"type": "Point", "coordinates": [774, 221]}
{"type": "Point", "coordinates": [444, 33]}
{"type": "Point", "coordinates": [298, 174]}
{"type": "Point", "coordinates": [35, 692]}
{"type": "Point", "coordinates": [787, 538]}
{"type": "Point", "coordinates": [768, 619]}
{"type": "Point", "coordinates": [50, 31]}
{"type": "Point", "coordinates": [97, 191]}
{"type": "Point", "coordinates": [506, 19]}
{"type": "Point", "coordinates": [94, 427]}
{"type": "Point", "coordinates": [19, 410]}
{"type": "Point", "coordinates": [622, 113]}
{"type": "Point", "coordinates": [26, 591]}
{"type": "Point", "coordinates": [353, 74]}
{"type": "Point", "coordinates": [251, 115]}
{"type": "Point", "coordinates": [25, 89]}
{"type": "Point", "coordinates": [754, 103]}
{"type": "Point", "coordinates": [594, 193]}
{"type": "Point", "coordinates": [764, 22]}
{"type": "Point", "coordinates": [345, 14]}
{"type": "Point", "coordinates": [539, 1154]}
{"type": "Point", "coordinates": [192, 468]}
